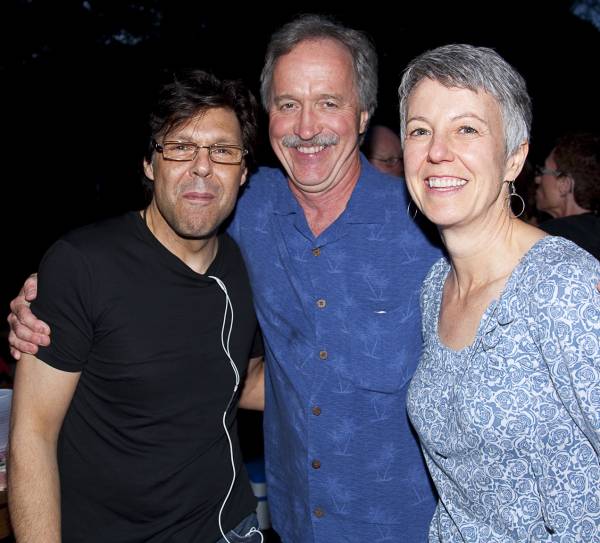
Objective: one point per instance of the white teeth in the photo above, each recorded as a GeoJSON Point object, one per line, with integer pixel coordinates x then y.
{"type": "Point", "coordinates": [445, 182]}
{"type": "Point", "coordinates": [310, 150]}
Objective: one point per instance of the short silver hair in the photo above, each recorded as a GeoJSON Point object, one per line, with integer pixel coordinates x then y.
{"type": "Point", "coordinates": [317, 27]}
{"type": "Point", "coordinates": [469, 67]}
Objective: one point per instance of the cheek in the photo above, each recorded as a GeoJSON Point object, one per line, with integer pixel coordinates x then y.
{"type": "Point", "coordinates": [546, 188]}
{"type": "Point", "coordinates": [412, 159]}
{"type": "Point", "coordinates": [279, 126]}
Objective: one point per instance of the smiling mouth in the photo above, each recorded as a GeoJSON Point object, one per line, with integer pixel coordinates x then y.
{"type": "Point", "coordinates": [445, 182]}
{"type": "Point", "coordinates": [310, 150]}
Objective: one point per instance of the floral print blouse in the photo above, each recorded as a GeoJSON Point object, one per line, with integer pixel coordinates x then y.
{"type": "Point", "coordinates": [510, 425]}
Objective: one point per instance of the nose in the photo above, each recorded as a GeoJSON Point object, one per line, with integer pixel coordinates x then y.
{"type": "Point", "coordinates": [308, 124]}
{"type": "Point", "coordinates": [439, 149]}
{"type": "Point", "coordinates": [202, 164]}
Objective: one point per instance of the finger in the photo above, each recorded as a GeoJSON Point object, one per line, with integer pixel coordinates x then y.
{"type": "Point", "coordinates": [27, 319]}
{"type": "Point", "coordinates": [24, 332]}
{"type": "Point", "coordinates": [21, 346]}
{"type": "Point", "coordinates": [18, 302]}
{"type": "Point", "coordinates": [30, 287]}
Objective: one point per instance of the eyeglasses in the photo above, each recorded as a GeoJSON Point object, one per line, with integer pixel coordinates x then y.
{"type": "Point", "coordinates": [185, 151]}
{"type": "Point", "coordinates": [391, 161]}
{"type": "Point", "coordinates": [541, 170]}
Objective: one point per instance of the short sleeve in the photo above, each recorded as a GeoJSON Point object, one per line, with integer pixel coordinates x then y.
{"type": "Point", "coordinates": [567, 323]}
{"type": "Point", "coordinates": [64, 302]}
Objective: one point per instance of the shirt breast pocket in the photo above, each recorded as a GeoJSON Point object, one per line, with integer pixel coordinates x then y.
{"type": "Point", "coordinates": [385, 347]}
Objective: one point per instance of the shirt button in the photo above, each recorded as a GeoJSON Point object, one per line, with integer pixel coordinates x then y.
{"type": "Point", "coordinates": [316, 251]}
{"type": "Point", "coordinates": [323, 355]}
{"type": "Point", "coordinates": [316, 411]}
{"type": "Point", "coordinates": [316, 464]}
{"type": "Point", "coordinates": [321, 303]}
{"type": "Point", "coordinates": [319, 512]}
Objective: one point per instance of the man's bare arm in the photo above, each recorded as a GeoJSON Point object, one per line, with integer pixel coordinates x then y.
{"type": "Point", "coordinates": [41, 397]}
{"type": "Point", "coordinates": [253, 393]}
{"type": "Point", "coordinates": [26, 331]}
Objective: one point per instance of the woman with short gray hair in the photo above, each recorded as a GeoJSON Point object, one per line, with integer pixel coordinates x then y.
{"type": "Point", "coordinates": [506, 397]}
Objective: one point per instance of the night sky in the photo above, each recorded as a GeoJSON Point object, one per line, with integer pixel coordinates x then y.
{"type": "Point", "coordinates": [77, 78]}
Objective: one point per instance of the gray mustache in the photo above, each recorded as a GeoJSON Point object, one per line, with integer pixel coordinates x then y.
{"type": "Point", "coordinates": [319, 139]}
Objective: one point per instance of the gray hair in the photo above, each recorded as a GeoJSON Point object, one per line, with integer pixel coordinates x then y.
{"type": "Point", "coordinates": [469, 67]}
{"type": "Point", "coordinates": [317, 27]}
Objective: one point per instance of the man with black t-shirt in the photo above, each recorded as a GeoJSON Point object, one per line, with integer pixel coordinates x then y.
{"type": "Point", "coordinates": [121, 427]}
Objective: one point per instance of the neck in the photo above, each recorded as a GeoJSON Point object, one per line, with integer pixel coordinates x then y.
{"type": "Point", "coordinates": [197, 254]}
{"type": "Point", "coordinates": [321, 209]}
{"type": "Point", "coordinates": [488, 252]}
{"type": "Point", "coordinates": [566, 206]}
{"type": "Point", "coordinates": [573, 208]}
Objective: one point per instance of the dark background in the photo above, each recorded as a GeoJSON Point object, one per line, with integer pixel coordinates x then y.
{"type": "Point", "coordinates": [77, 77]}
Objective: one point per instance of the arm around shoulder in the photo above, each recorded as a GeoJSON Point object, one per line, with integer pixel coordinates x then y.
{"type": "Point", "coordinates": [26, 331]}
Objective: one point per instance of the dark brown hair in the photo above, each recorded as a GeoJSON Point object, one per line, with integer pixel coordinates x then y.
{"type": "Point", "coordinates": [578, 156]}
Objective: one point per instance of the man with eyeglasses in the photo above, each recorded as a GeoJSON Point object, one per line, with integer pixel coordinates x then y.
{"type": "Point", "coordinates": [383, 148]}
{"type": "Point", "coordinates": [124, 428]}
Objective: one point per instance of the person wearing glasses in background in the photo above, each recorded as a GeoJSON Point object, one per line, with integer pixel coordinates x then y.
{"type": "Point", "coordinates": [118, 428]}
{"type": "Point", "coordinates": [383, 148]}
{"type": "Point", "coordinates": [568, 189]}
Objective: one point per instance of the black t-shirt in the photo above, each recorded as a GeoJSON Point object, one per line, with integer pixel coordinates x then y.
{"type": "Point", "coordinates": [142, 452]}
{"type": "Point", "coordinates": [583, 229]}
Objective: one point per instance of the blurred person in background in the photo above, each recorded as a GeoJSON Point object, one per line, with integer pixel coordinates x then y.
{"type": "Point", "coordinates": [568, 189]}
{"type": "Point", "coordinates": [383, 148]}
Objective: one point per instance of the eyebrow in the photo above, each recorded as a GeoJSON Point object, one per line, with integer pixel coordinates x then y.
{"type": "Point", "coordinates": [217, 141]}
{"type": "Point", "coordinates": [469, 114]}
{"type": "Point", "coordinates": [324, 96]}
{"type": "Point", "coordinates": [455, 118]}
{"type": "Point", "coordinates": [283, 97]}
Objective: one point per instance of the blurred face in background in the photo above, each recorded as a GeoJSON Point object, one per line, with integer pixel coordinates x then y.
{"type": "Point", "coordinates": [385, 151]}
{"type": "Point", "coordinates": [549, 195]}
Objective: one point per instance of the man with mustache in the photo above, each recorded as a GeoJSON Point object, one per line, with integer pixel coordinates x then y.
{"type": "Point", "coordinates": [336, 265]}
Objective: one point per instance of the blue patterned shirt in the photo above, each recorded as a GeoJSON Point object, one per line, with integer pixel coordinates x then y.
{"type": "Point", "coordinates": [510, 425]}
{"type": "Point", "coordinates": [340, 317]}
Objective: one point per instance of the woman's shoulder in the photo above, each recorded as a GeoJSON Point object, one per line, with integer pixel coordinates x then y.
{"type": "Point", "coordinates": [433, 284]}
{"type": "Point", "coordinates": [437, 273]}
{"type": "Point", "coordinates": [557, 271]}
{"type": "Point", "coordinates": [559, 258]}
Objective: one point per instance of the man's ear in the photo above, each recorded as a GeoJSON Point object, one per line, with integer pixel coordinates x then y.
{"type": "Point", "coordinates": [244, 176]}
{"type": "Point", "coordinates": [149, 170]}
{"type": "Point", "coordinates": [364, 121]}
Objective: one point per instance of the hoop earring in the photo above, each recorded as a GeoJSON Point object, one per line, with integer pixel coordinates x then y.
{"type": "Point", "coordinates": [413, 216]}
{"type": "Point", "coordinates": [513, 192]}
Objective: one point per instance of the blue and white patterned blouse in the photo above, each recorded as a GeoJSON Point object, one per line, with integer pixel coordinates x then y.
{"type": "Point", "coordinates": [510, 426]}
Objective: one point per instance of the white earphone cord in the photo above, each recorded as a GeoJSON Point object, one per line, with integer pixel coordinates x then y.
{"type": "Point", "coordinates": [225, 345]}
